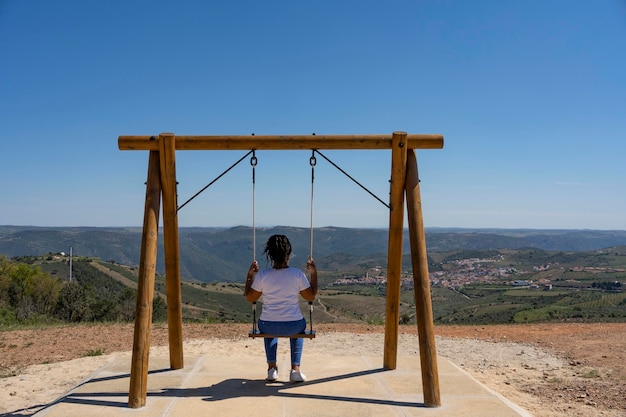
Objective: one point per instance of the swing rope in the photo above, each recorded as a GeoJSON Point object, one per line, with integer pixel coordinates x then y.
{"type": "Point", "coordinates": [312, 162]}
{"type": "Point", "coordinates": [355, 181]}
{"type": "Point", "coordinates": [211, 183]}
{"type": "Point", "coordinates": [253, 162]}
{"type": "Point", "coordinates": [255, 332]}
{"type": "Point", "coordinates": [254, 328]}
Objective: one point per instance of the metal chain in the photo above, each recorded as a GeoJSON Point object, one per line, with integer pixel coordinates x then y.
{"type": "Point", "coordinates": [211, 183]}
{"type": "Point", "coordinates": [312, 161]}
{"type": "Point", "coordinates": [253, 163]}
{"type": "Point", "coordinates": [355, 181]}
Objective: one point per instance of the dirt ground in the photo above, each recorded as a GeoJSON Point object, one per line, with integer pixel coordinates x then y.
{"type": "Point", "coordinates": [587, 379]}
{"type": "Point", "coordinates": [592, 384]}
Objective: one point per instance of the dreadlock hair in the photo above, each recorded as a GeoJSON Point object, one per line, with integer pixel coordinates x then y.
{"type": "Point", "coordinates": [277, 249]}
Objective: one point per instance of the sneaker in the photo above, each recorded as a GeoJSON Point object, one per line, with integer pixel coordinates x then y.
{"type": "Point", "coordinates": [297, 376]}
{"type": "Point", "coordinates": [272, 374]}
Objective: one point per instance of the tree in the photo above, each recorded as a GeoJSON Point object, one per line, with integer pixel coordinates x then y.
{"type": "Point", "coordinates": [159, 309]}
{"type": "Point", "coordinates": [126, 304]}
{"type": "Point", "coordinates": [73, 305]}
{"type": "Point", "coordinates": [44, 291]}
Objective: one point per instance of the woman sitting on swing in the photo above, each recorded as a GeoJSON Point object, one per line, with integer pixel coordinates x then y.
{"type": "Point", "coordinates": [280, 286]}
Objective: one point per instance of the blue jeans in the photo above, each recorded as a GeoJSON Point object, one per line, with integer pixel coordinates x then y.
{"type": "Point", "coordinates": [283, 328]}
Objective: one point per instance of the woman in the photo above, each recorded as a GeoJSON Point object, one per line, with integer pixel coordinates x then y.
{"type": "Point", "coordinates": [280, 286]}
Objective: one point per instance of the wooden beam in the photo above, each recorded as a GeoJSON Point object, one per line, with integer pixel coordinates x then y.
{"type": "Point", "coordinates": [282, 142]}
{"type": "Point", "coordinates": [394, 257]}
{"type": "Point", "coordinates": [421, 286]}
{"type": "Point", "coordinates": [145, 286]}
{"type": "Point", "coordinates": [167, 142]}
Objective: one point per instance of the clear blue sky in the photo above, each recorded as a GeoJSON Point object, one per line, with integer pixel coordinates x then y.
{"type": "Point", "coordinates": [529, 95]}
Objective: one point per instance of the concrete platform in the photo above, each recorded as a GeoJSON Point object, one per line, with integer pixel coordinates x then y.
{"type": "Point", "coordinates": [224, 385]}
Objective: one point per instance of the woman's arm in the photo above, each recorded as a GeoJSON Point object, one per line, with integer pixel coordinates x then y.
{"type": "Point", "coordinates": [251, 294]}
{"type": "Point", "coordinates": [310, 293]}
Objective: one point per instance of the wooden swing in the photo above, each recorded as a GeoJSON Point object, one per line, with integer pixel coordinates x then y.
{"type": "Point", "coordinates": [161, 193]}
{"type": "Point", "coordinates": [308, 334]}
{"type": "Point", "coordinates": [255, 332]}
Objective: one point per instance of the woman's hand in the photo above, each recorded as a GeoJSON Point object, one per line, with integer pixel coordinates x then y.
{"type": "Point", "coordinates": [251, 294]}
{"type": "Point", "coordinates": [310, 293]}
{"type": "Point", "coordinates": [254, 268]}
{"type": "Point", "coordinates": [310, 265]}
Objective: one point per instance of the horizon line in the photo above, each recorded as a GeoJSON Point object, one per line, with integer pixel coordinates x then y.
{"type": "Point", "coordinates": [326, 227]}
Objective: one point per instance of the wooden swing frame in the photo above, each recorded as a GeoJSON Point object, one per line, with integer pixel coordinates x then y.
{"type": "Point", "coordinates": [161, 184]}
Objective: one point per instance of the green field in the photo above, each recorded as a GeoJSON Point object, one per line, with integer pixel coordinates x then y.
{"type": "Point", "coordinates": [467, 287]}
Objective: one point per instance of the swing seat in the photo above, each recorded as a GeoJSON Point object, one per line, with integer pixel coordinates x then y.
{"type": "Point", "coordinates": [308, 334]}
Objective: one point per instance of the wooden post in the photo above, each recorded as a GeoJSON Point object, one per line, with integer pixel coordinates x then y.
{"type": "Point", "coordinates": [421, 285]}
{"type": "Point", "coordinates": [394, 257]}
{"type": "Point", "coordinates": [145, 286]}
{"type": "Point", "coordinates": [167, 153]}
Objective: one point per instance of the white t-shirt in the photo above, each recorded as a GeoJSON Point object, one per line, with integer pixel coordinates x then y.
{"type": "Point", "coordinates": [281, 291]}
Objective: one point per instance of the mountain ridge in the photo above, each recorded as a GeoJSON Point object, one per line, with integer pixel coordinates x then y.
{"type": "Point", "coordinates": [224, 254]}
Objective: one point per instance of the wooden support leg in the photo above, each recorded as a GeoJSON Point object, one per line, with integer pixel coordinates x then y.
{"type": "Point", "coordinates": [167, 147]}
{"type": "Point", "coordinates": [421, 281]}
{"type": "Point", "coordinates": [145, 287]}
{"type": "Point", "coordinates": [394, 259]}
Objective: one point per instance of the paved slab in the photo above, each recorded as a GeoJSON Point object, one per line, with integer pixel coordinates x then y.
{"type": "Point", "coordinates": [223, 385]}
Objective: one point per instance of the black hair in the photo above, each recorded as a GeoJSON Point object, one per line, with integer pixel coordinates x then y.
{"type": "Point", "coordinates": [277, 249]}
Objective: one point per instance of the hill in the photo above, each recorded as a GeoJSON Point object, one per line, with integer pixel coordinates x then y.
{"type": "Point", "coordinates": [223, 254]}
{"type": "Point", "coordinates": [468, 287]}
{"type": "Point", "coordinates": [477, 276]}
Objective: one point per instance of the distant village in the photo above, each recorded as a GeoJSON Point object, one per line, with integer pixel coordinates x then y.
{"type": "Point", "coordinates": [470, 271]}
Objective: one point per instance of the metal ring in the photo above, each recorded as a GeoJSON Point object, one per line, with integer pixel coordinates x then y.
{"type": "Point", "coordinates": [312, 160]}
